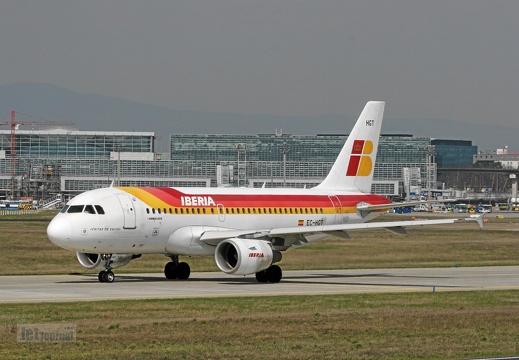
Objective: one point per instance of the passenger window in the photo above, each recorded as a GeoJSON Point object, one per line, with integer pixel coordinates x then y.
{"type": "Point", "coordinates": [147, 210]}
{"type": "Point", "coordinates": [75, 209]}
{"type": "Point", "coordinates": [99, 209]}
{"type": "Point", "coordinates": [89, 209]}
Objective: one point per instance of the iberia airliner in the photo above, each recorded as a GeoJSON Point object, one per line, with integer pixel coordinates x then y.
{"type": "Point", "coordinates": [245, 229]}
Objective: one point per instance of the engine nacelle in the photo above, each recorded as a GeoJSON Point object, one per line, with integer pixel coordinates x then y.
{"type": "Point", "coordinates": [94, 261]}
{"type": "Point", "coordinates": [244, 256]}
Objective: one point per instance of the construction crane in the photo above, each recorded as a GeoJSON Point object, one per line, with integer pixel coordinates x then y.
{"type": "Point", "coordinates": [14, 126]}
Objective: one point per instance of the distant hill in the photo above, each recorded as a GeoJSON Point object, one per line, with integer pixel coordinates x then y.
{"type": "Point", "coordinates": [97, 112]}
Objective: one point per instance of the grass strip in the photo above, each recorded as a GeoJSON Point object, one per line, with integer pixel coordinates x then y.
{"type": "Point", "coordinates": [382, 326]}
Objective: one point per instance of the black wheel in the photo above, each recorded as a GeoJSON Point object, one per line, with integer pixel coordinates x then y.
{"type": "Point", "coordinates": [108, 276]}
{"type": "Point", "coordinates": [170, 270]}
{"type": "Point", "coordinates": [274, 274]}
{"type": "Point", "coordinates": [262, 277]}
{"type": "Point", "coordinates": [183, 270]}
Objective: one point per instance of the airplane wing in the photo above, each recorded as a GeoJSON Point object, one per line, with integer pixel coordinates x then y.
{"type": "Point", "coordinates": [213, 237]}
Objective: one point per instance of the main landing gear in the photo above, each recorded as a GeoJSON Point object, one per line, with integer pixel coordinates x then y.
{"type": "Point", "coordinates": [177, 270]}
{"type": "Point", "coordinates": [273, 274]}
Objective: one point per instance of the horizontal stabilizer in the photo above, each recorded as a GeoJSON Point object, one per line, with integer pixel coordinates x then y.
{"type": "Point", "coordinates": [364, 209]}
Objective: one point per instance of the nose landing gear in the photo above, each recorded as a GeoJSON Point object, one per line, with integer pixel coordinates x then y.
{"type": "Point", "coordinates": [107, 274]}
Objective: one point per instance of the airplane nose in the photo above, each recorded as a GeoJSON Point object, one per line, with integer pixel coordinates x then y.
{"type": "Point", "coordinates": [59, 232]}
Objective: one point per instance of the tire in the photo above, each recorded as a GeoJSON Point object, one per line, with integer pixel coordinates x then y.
{"type": "Point", "coordinates": [106, 276]}
{"type": "Point", "coordinates": [183, 271]}
{"type": "Point", "coordinates": [262, 277]}
{"type": "Point", "coordinates": [274, 274]}
{"type": "Point", "coordinates": [170, 270]}
{"type": "Point", "coordinates": [109, 276]}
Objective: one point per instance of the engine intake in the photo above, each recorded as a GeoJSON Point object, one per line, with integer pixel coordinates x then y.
{"type": "Point", "coordinates": [244, 256]}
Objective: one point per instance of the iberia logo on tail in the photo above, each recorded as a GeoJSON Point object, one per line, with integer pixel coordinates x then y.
{"type": "Point", "coordinates": [360, 160]}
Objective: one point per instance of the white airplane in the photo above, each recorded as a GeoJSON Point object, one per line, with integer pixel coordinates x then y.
{"type": "Point", "coordinates": [245, 229]}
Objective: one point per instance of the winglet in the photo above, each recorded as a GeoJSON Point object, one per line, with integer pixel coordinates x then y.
{"type": "Point", "coordinates": [478, 219]}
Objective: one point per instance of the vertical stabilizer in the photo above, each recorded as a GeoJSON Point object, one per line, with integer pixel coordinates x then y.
{"type": "Point", "coordinates": [353, 168]}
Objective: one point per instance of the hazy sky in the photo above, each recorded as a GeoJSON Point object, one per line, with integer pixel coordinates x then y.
{"type": "Point", "coordinates": [441, 59]}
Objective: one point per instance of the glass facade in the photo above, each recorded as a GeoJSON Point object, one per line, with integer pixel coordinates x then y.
{"type": "Point", "coordinates": [454, 153]}
{"type": "Point", "coordinates": [74, 144]}
{"type": "Point", "coordinates": [306, 156]}
{"type": "Point", "coordinates": [69, 162]}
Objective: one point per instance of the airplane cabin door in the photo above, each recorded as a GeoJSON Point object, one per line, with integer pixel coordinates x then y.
{"type": "Point", "coordinates": [338, 209]}
{"type": "Point", "coordinates": [128, 211]}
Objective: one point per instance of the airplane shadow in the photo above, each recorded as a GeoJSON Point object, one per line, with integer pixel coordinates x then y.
{"type": "Point", "coordinates": [310, 279]}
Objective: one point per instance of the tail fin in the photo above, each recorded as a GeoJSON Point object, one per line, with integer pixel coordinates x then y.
{"type": "Point", "coordinates": [353, 169]}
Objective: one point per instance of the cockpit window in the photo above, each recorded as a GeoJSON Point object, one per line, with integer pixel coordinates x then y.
{"type": "Point", "coordinates": [99, 209]}
{"type": "Point", "coordinates": [64, 210]}
{"type": "Point", "coordinates": [89, 209]}
{"type": "Point", "coordinates": [75, 209]}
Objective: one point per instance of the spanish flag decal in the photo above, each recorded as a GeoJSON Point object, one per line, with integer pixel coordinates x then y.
{"type": "Point", "coordinates": [300, 223]}
{"type": "Point", "coordinates": [360, 160]}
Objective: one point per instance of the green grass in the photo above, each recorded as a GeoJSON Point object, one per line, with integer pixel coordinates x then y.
{"type": "Point", "coordinates": [381, 326]}
{"type": "Point", "coordinates": [27, 250]}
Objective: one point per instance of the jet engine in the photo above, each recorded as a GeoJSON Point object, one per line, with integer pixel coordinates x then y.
{"type": "Point", "coordinates": [244, 256]}
{"type": "Point", "coordinates": [95, 261]}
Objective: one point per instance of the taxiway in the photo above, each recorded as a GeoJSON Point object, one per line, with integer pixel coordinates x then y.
{"type": "Point", "coordinates": [85, 287]}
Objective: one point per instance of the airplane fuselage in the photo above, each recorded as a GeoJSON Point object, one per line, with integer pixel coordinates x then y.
{"type": "Point", "coordinates": [142, 220]}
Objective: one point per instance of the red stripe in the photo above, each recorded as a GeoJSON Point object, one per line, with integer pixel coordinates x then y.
{"type": "Point", "coordinates": [172, 196]}
{"type": "Point", "coordinates": [353, 166]}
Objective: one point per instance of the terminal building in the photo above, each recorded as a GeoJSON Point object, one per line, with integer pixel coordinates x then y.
{"type": "Point", "coordinates": [507, 159]}
{"type": "Point", "coordinates": [47, 163]}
